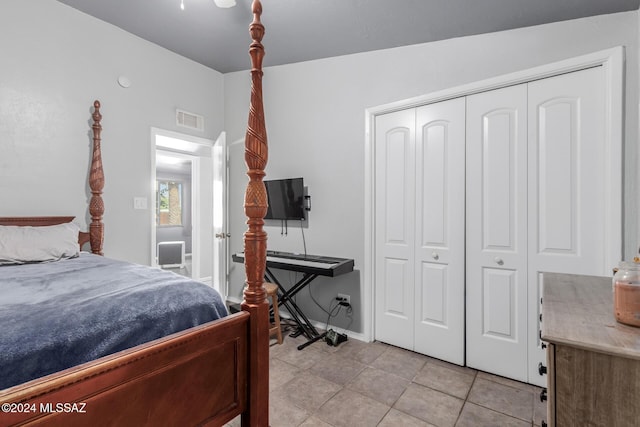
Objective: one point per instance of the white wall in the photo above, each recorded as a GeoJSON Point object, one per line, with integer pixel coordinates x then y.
{"type": "Point", "coordinates": [55, 62]}
{"type": "Point", "coordinates": [315, 123]}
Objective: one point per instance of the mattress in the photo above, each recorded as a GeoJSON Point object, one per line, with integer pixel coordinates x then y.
{"type": "Point", "coordinates": [60, 314]}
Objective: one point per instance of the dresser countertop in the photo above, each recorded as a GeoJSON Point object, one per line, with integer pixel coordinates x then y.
{"type": "Point", "coordinates": [578, 311]}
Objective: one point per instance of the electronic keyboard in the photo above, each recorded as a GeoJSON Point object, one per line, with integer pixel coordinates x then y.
{"type": "Point", "coordinates": [311, 264]}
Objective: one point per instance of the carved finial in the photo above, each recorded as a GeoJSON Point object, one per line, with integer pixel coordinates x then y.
{"type": "Point", "coordinates": [256, 8]}
{"type": "Point", "coordinates": [97, 117]}
{"type": "Point", "coordinates": [256, 29]}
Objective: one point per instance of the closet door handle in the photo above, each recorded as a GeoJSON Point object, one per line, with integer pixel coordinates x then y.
{"type": "Point", "coordinates": [435, 255]}
{"type": "Point", "coordinates": [498, 260]}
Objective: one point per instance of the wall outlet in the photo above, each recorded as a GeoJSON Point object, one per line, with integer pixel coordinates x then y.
{"type": "Point", "coordinates": [344, 298]}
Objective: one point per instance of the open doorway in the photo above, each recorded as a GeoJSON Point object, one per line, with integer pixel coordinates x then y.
{"type": "Point", "coordinates": [182, 203]}
{"type": "Point", "coordinates": [189, 201]}
{"type": "Point", "coordinates": [174, 212]}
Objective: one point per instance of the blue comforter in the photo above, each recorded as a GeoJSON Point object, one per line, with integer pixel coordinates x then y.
{"type": "Point", "coordinates": [60, 314]}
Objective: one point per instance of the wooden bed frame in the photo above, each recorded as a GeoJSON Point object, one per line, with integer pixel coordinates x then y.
{"type": "Point", "coordinates": [205, 375]}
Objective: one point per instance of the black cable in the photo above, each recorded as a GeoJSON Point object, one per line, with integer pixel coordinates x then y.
{"type": "Point", "coordinates": [349, 316]}
{"type": "Point", "coordinates": [317, 303]}
{"type": "Point", "coordinates": [334, 310]}
{"type": "Point", "coordinates": [304, 241]}
{"type": "Point", "coordinates": [292, 281]}
{"type": "Point", "coordinates": [332, 314]}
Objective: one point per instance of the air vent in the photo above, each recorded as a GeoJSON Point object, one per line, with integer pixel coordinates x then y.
{"type": "Point", "coordinates": [189, 120]}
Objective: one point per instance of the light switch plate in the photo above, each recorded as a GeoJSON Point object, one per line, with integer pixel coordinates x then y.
{"type": "Point", "coordinates": [140, 203]}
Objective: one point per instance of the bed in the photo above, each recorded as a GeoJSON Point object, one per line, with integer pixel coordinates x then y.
{"type": "Point", "coordinates": [201, 375]}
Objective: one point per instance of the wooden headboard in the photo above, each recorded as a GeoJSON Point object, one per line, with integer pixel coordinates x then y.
{"type": "Point", "coordinates": [95, 236]}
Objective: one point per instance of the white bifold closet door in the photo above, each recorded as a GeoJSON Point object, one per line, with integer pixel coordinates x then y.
{"type": "Point", "coordinates": [535, 203]}
{"type": "Point", "coordinates": [394, 241]}
{"type": "Point", "coordinates": [527, 196]}
{"type": "Point", "coordinates": [568, 230]}
{"type": "Point", "coordinates": [420, 229]}
{"type": "Point", "coordinates": [496, 268]}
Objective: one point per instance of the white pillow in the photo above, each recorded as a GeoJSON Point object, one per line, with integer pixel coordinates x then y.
{"type": "Point", "coordinates": [19, 245]}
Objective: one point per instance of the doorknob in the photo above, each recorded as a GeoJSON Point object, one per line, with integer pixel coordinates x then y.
{"type": "Point", "coordinates": [498, 260]}
{"type": "Point", "coordinates": [435, 255]}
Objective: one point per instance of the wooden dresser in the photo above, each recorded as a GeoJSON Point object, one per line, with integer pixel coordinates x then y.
{"type": "Point", "coordinates": [593, 372]}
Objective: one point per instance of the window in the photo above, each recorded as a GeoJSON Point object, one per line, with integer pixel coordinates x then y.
{"type": "Point", "coordinates": [169, 197]}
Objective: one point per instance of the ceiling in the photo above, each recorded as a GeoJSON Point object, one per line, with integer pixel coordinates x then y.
{"type": "Point", "coordinates": [301, 30]}
{"type": "Point", "coordinates": [170, 164]}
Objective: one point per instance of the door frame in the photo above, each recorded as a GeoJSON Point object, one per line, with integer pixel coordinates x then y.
{"type": "Point", "coordinates": [197, 149]}
{"type": "Point", "coordinates": [195, 213]}
{"type": "Point", "coordinates": [612, 61]}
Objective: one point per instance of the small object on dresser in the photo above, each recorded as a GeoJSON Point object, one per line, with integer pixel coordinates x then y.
{"type": "Point", "coordinates": [626, 293]}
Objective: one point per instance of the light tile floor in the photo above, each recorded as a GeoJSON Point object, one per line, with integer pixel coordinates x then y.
{"type": "Point", "coordinates": [375, 384]}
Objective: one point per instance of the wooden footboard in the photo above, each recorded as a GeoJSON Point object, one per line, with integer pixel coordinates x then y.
{"type": "Point", "coordinates": [195, 377]}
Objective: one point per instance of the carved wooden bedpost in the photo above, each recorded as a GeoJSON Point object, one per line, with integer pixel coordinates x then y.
{"type": "Point", "coordinates": [96, 183]}
{"type": "Point", "coordinates": [255, 238]}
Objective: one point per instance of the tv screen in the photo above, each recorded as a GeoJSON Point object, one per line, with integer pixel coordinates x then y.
{"type": "Point", "coordinates": [286, 198]}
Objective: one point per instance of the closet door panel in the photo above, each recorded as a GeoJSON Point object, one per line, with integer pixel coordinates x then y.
{"type": "Point", "coordinates": [433, 305]}
{"type": "Point", "coordinates": [556, 177]}
{"type": "Point", "coordinates": [497, 178]}
{"type": "Point", "coordinates": [567, 172]}
{"type": "Point", "coordinates": [496, 259]}
{"type": "Point", "coordinates": [566, 163]}
{"type": "Point", "coordinates": [439, 246]}
{"type": "Point", "coordinates": [395, 235]}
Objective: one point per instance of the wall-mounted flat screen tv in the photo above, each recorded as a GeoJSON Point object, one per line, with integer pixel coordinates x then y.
{"type": "Point", "coordinates": [286, 199]}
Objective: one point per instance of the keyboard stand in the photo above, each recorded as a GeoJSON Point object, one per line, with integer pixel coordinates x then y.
{"type": "Point", "coordinates": [286, 298]}
{"type": "Point", "coordinates": [312, 340]}
{"type": "Point", "coordinates": [311, 267]}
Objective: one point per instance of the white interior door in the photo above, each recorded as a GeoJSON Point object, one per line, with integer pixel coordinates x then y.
{"type": "Point", "coordinates": [394, 239]}
{"type": "Point", "coordinates": [439, 230]}
{"type": "Point", "coordinates": [567, 172]}
{"type": "Point", "coordinates": [220, 205]}
{"type": "Point", "coordinates": [496, 249]}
